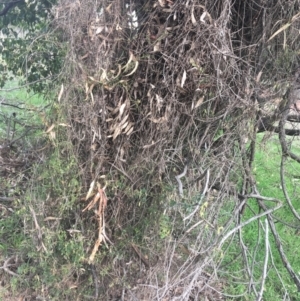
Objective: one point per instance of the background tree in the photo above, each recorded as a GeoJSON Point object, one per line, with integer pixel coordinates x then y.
{"type": "Point", "coordinates": [28, 49]}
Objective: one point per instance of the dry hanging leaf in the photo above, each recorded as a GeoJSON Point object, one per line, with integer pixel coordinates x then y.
{"type": "Point", "coordinates": [129, 132]}
{"type": "Point", "coordinates": [63, 124]}
{"type": "Point", "coordinates": [60, 93]}
{"type": "Point", "coordinates": [119, 71]}
{"type": "Point", "coordinates": [90, 192]}
{"type": "Point", "coordinates": [124, 125]}
{"type": "Point", "coordinates": [95, 249]}
{"type": "Point", "coordinates": [199, 102]}
{"type": "Point", "coordinates": [124, 120]}
{"type": "Point", "coordinates": [122, 107]}
{"type": "Point", "coordinates": [52, 135]}
{"type": "Point", "coordinates": [108, 8]}
{"type": "Point", "coordinates": [156, 47]}
{"type": "Point", "coordinates": [284, 27]}
{"type": "Point", "coordinates": [130, 124]}
{"type": "Point", "coordinates": [99, 29]}
{"type": "Point", "coordinates": [158, 120]}
{"type": "Point", "coordinates": [162, 3]}
{"type": "Point", "coordinates": [194, 22]}
{"type": "Point", "coordinates": [203, 17]}
{"type": "Point", "coordinates": [116, 133]}
{"type": "Point", "coordinates": [50, 128]}
{"type": "Point", "coordinates": [51, 218]}
{"type": "Point", "coordinates": [183, 79]}
{"type": "Point", "coordinates": [134, 69]}
{"type": "Point", "coordinates": [160, 101]}
{"type": "Point", "coordinates": [93, 202]}
{"type": "Point", "coordinates": [131, 58]}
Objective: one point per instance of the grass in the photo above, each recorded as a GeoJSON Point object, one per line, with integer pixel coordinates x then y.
{"type": "Point", "coordinates": [278, 283]}
{"type": "Point", "coordinates": [21, 108]}
{"type": "Point", "coordinates": [15, 95]}
{"type": "Point", "coordinates": [12, 90]}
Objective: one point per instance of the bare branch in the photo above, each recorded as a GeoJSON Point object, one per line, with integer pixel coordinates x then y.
{"type": "Point", "coordinates": [280, 249]}
{"type": "Point", "coordinates": [282, 134]}
{"type": "Point", "coordinates": [284, 189]}
{"type": "Point", "coordinates": [250, 220]}
{"type": "Point", "coordinates": [11, 105]}
{"type": "Point", "coordinates": [264, 275]}
{"type": "Point", "coordinates": [249, 269]}
{"type": "Point", "coordinates": [267, 126]}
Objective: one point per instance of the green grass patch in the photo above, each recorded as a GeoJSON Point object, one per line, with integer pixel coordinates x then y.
{"type": "Point", "coordinates": [278, 283]}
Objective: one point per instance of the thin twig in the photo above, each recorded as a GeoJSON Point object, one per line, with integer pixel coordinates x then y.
{"type": "Point", "coordinates": [26, 85]}
{"type": "Point", "coordinates": [194, 226]}
{"type": "Point", "coordinates": [284, 259]}
{"type": "Point", "coordinates": [38, 228]}
{"type": "Point", "coordinates": [11, 105]}
{"type": "Point", "coordinates": [285, 192]}
{"type": "Point", "coordinates": [180, 188]}
{"type": "Point", "coordinates": [250, 220]}
{"type": "Point", "coordinates": [247, 266]}
{"type": "Point", "coordinates": [264, 275]}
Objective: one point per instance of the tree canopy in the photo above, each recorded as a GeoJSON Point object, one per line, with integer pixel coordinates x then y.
{"type": "Point", "coordinates": [28, 50]}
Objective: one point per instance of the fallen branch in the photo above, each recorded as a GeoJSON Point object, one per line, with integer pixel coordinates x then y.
{"type": "Point", "coordinates": [284, 259]}
{"type": "Point", "coordinates": [250, 220]}
{"type": "Point", "coordinates": [6, 265]}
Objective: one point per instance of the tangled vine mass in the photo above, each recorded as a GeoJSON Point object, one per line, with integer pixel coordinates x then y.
{"type": "Point", "coordinates": [158, 89]}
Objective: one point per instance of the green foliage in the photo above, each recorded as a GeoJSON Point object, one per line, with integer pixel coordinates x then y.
{"type": "Point", "coordinates": [165, 226]}
{"type": "Point", "coordinates": [27, 48]}
{"type": "Point", "coordinates": [11, 234]}
{"type": "Point", "coordinates": [62, 237]}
